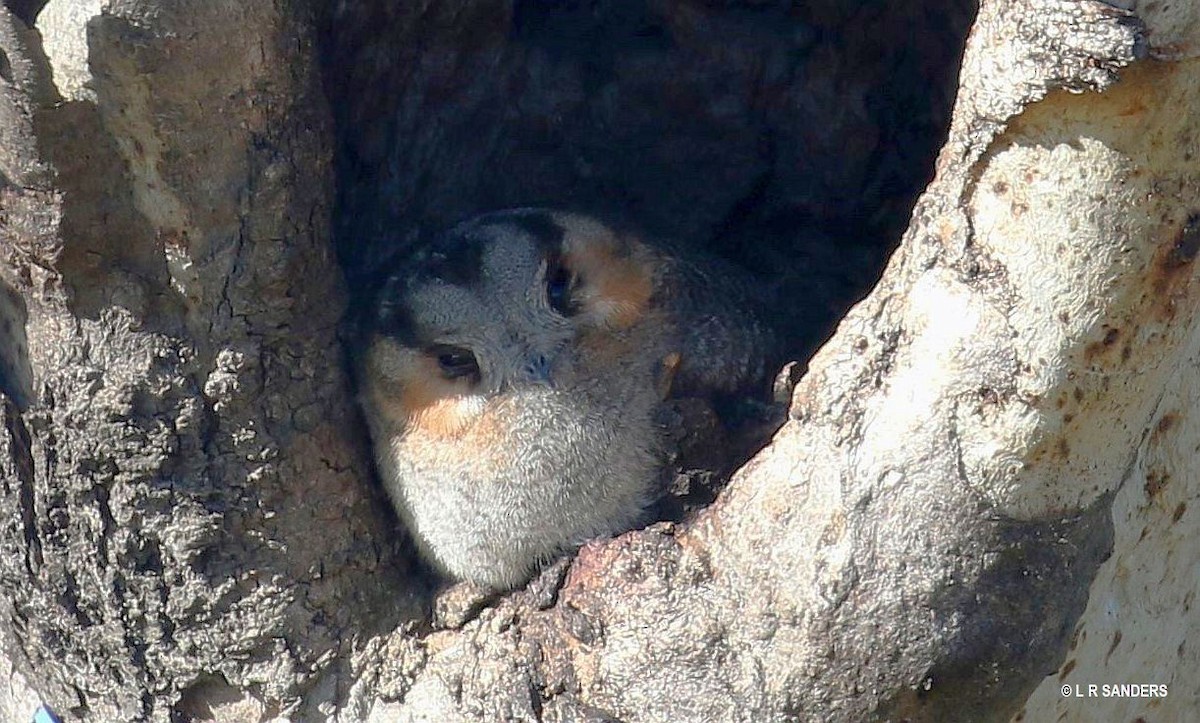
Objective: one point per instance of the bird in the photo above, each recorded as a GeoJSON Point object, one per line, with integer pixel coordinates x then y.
{"type": "Point", "coordinates": [509, 371]}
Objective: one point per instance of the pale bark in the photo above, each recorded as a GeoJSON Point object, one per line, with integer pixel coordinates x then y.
{"type": "Point", "coordinates": [987, 473]}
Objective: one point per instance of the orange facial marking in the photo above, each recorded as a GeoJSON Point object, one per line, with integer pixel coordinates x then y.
{"type": "Point", "coordinates": [408, 389]}
{"type": "Point", "coordinates": [436, 406]}
{"type": "Point", "coordinates": [617, 285]}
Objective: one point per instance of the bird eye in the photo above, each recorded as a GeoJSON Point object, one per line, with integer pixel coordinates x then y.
{"type": "Point", "coordinates": [559, 282]}
{"type": "Point", "coordinates": [456, 362]}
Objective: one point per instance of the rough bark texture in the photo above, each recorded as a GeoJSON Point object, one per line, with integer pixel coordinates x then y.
{"type": "Point", "coordinates": [986, 473]}
{"type": "Point", "coordinates": [189, 429]}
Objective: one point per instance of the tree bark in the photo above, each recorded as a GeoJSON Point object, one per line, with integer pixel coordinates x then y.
{"type": "Point", "coordinates": [985, 476]}
{"type": "Point", "coordinates": [188, 522]}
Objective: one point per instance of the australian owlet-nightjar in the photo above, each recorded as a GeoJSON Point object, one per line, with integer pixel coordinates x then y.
{"type": "Point", "coordinates": [510, 372]}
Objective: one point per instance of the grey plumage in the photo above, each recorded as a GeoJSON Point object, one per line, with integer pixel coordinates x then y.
{"type": "Point", "coordinates": [510, 374]}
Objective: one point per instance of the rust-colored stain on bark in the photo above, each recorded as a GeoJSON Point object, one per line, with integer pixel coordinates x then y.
{"type": "Point", "coordinates": [1116, 640]}
{"type": "Point", "coordinates": [604, 568]}
{"type": "Point", "coordinates": [1173, 263]}
{"type": "Point", "coordinates": [1096, 348]}
{"type": "Point", "coordinates": [1066, 669]}
{"type": "Point", "coordinates": [1063, 448]}
{"type": "Point", "coordinates": [1135, 106]}
{"type": "Point", "coordinates": [1076, 636]}
{"type": "Point", "coordinates": [1165, 423]}
{"type": "Point", "coordinates": [591, 565]}
{"type": "Point", "coordinates": [1156, 480]}
{"type": "Point", "coordinates": [1179, 510]}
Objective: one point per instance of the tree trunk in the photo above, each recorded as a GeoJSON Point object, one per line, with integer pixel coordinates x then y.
{"type": "Point", "coordinates": [985, 473]}
{"type": "Point", "coordinates": [189, 522]}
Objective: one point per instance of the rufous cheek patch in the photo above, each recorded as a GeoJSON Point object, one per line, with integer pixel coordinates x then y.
{"type": "Point", "coordinates": [616, 286]}
{"type": "Point", "coordinates": [408, 389]}
{"type": "Point", "coordinates": [446, 418]}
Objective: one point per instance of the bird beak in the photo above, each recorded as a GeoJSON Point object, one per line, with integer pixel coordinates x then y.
{"type": "Point", "coordinates": [537, 369]}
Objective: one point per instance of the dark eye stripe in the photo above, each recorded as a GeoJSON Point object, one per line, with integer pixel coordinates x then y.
{"type": "Point", "coordinates": [538, 223]}
{"type": "Point", "coordinates": [561, 284]}
{"type": "Point", "coordinates": [455, 362]}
